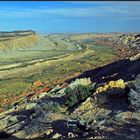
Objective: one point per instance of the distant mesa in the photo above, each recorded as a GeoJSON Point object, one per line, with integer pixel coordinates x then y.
{"type": "Point", "coordinates": [16, 33]}
{"type": "Point", "coordinates": [15, 40]}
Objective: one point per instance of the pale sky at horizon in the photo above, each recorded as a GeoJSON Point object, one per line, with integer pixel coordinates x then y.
{"type": "Point", "coordinates": [71, 16]}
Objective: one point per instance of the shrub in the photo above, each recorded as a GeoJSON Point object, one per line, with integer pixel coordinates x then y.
{"type": "Point", "coordinates": [134, 94]}
{"type": "Point", "coordinates": [42, 110]}
{"type": "Point", "coordinates": [71, 97]}
{"type": "Point", "coordinates": [51, 107]}
{"type": "Point", "coordinates": [77, 94]}
{"type": "Point", "coordinates": [81, 81]}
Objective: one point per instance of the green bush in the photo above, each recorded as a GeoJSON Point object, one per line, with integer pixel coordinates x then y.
{"type": "Point", "coordinates": [134, 94]}
{"type": "Point", "coordinates": [71, 97]}
{"type": "Point", "coordinates": [51, 107]}
{"type": "Point", "coordinates": [77, 94]}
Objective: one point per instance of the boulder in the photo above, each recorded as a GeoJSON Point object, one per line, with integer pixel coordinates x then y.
{"type": "Point", "coordinates": [71, 135]}
{"type": "Point", "coordinates": [55, 89]}
{"type": "Point", "coordinates": [42, 95]}
{"type": "Point", "coordinates": [49, 131]}
{"type": "Point", "coordinates": [135, 57]}
{"type": "Point", "coordinates": [123, 116]}
{"type": "Point", "coordinates": [56, 136]}
{"type": "Point", "coordinates": [88, 104]}
{"type": "Point", "coordinates": [30, 106]}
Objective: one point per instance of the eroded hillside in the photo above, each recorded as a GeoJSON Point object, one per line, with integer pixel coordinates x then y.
{"type": "Point", "coordinates": [17, 40]}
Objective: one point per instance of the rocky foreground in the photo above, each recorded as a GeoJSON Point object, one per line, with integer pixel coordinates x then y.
{"type": "Point", "coordinates": [81, 108]}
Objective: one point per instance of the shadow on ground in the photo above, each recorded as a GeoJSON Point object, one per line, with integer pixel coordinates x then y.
{"type": "Point", "coordinates": [122, 69]}
{"type": "Point", "coordinates": [119, 130]}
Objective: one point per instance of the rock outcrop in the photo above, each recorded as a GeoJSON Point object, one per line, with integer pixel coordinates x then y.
{"type": "Point", "coordinates": [128, 44]}
{"type": "Point", "coordinates": [104, 114]}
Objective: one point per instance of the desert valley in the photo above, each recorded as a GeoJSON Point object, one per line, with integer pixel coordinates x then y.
{"type": "Point", "coordinates": [69, 85]}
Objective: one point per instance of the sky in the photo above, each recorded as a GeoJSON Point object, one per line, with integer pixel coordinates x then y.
{"type": "Point", "coordinates": [84, 16]}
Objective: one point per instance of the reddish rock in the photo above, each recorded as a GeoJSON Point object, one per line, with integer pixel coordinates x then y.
{"type": "Point", "coordinates": [38, 83]}
{"type": "Point", "coordinates": [64, 85]}
{"type": "Point", "coordinates": [1, 110]}
{"type": "Point", "coordinates": [46, 89]}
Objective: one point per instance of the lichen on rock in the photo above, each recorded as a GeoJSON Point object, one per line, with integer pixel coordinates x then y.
{"type": "Point", "coordinates": [112, 84]}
